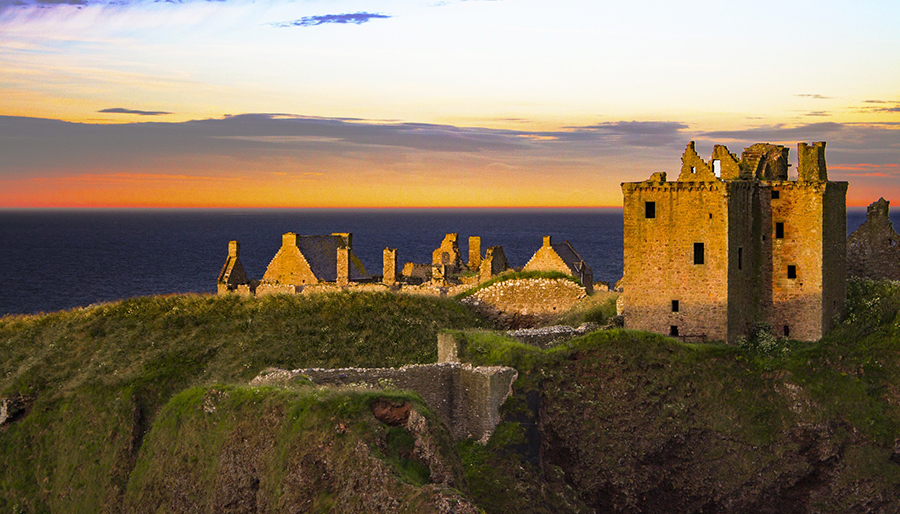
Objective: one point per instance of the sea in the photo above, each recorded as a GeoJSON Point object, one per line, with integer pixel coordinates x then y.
{"type": "Point", "coordinates": [55, 259]}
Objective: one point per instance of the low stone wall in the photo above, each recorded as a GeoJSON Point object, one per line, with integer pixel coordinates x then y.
{"type": "Point", "coordinates": [468, 398]}
{"type": "Point", "coordinates": [518, 302]}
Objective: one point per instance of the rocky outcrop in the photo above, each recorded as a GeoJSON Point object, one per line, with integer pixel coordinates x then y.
{"type": "Point", "coordinates": [873, 251]}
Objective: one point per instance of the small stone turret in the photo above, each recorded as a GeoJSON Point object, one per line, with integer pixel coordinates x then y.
{"type": "Point", "coordinates": [389, 271]}
{"type": "Point", "coordinates": [812, 162]}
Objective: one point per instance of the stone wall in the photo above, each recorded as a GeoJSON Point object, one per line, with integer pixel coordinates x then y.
{"type": "Point", "coordinates": [389, 271]}
{"type": "Point", "coordinates": [232, 275]}
{"type": "Point", "coordinates": [289, 266]}
{"type": "Point", "coordinates": [524, 302]}
{"type": "Point", "coordinates": [659, 257]}
{"type": "Point", "coordinates": [873, 250]}
{"type": "Point", "coordinates": [448, 254]}
{"type": "Point", "coordinates": [468, 398]}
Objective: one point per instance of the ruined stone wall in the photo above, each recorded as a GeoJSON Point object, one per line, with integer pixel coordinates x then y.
{"type": "Point", "coordinates": [467, 398]}
{"type": "Point", "coordinates": [289, 266]}
{"type": "Point", "coordinates": [659, 257]}
{"type": "Point", "coordinates": [232, 275]}
{"type": "Point", "coordinates": [873, 250]}
{"type": "Point", "coordinates": [546, 259]}
{"type": "Point", "coordinates": [531, 297]}
{"type": "Point", "coordinates": [474, 252]}
{"type": "Point", "coordinates": [448, 254]}
{"type": "Point", "coordinates": [494, 263]}
{"type": "Point", "coordinates": [389, 270]}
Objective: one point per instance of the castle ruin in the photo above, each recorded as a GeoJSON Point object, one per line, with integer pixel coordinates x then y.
{"type": "Point", "coordinates": [733, 243]}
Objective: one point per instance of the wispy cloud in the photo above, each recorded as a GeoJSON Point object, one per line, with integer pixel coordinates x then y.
{"type": "Point", "coordinates": [814, 96]}
{"type": "Point", "coordinates": [817, 113]}
{"type": "Point", "coordinates": [882, 106]}
{"type": "Point", "coordinates": [122, 110]}
{"type": "Point", "coordinates": [357, 18]}
{"type": "Point", "coordinates": [779, 132]}
{"type": "Point", "coordinates": [632, 133]}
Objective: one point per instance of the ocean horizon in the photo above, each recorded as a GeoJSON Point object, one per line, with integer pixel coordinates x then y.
{"type": "Point", "coordinates": [57, 259]}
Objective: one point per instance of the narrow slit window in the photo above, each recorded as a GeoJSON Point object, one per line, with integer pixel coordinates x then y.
{"type": "Point", "coordinates": [673, 330]}
{"type": "Point", "coordinates": [792, 271]}
{"type": "Point", "coordinates": [717, 167]}
{"type": "Point", "coordinates": [740, 258]}
{"type": "Point", "coordinates": [776, 195]}
{"type": "Point", "coordinates": [779, 230]}
{"type": "Point", "coordinates": [698, 253]}
{"type": "Point", "coordinates": [787, 331]}
{"type": "Point", "coordinates": [675, 305]}
{"type": "Point", "coordinates": [649, 209]}
{"type": "Point", "coordinates": [693, 169]}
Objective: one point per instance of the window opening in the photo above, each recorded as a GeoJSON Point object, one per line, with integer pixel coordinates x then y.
{"type": "Point", "coordinates": [787, 331]}
{"type": "Point", "coordinates": [717, 167]}
{"type": "Point", "coordinates": [693, 169]}
{"type": "Point", "coordinates": [673, 330]}
{"type": "Point", "coordinates": [675, 306]}
{"type": "Point", "coordinates": [792, 271]}
{"type": "Point", "coordinates": [776, 195]}
{"type": "Point", "coordinates": [649, 209]}
{"type": "Point", "coordinates": [710, 215]}
{"type": "Point", "coordinates": [698, 253]}
{"type": "Point", "coordinates": [779, 230]}
{"type": "Point", "coordinates": [740, 257]}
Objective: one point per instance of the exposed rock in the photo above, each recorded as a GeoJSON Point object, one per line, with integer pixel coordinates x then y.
{"type": "Point", "coordinates": [392, 413]}
{"type": "Point", "coordinates": [13, 407]}
{"type": "Point", "coordinates": [873, 251]}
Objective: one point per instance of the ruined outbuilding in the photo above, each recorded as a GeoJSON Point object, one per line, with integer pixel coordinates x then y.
{"type": "Point", "coordinates": [873, 250]}
{"type": "Point", "coordinates": [305, 260]}
{"type": "Point", "coordinates": [563, 258]}
{"type": "Point", "coordinates": [733, 243]}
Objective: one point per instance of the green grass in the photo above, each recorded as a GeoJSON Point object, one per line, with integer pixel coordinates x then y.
{"type": "Point", "coordinates": [213, 448]}
{"type": "Point", "coordinates": [99, 375]}
{"type": "Point", "coordinates": [121, 396]}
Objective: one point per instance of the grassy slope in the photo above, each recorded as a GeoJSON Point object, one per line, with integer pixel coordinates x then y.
{"type": "Point", "coordinates": [640, 422]}
{"type": "Point", "coordinates": [99, 376]}
{"type": "Point", "coordinates": [624, 421]}
{"type": "Point", "coordinates": [243, 449]}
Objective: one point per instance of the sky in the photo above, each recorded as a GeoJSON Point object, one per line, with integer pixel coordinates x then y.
{"type": "Point", "coordinates": [431, 103]}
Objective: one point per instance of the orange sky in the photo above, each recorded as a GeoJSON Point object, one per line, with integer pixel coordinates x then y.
{"type": "Point", "coordinates": [270, 103]}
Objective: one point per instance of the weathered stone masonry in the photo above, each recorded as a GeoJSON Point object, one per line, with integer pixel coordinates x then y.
{"type": "Point", "coordinates": [733, 242]}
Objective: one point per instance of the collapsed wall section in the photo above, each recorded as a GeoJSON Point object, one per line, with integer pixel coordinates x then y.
{"type": "Point", "coordinates": [468, 398]}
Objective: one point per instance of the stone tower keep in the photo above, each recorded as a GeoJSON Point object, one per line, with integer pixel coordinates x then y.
{"type": "Point", "coordinates": [733, 242]}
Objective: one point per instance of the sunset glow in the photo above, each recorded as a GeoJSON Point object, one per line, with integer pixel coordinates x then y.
{"type": "Point", "coordinates": [414, 103]}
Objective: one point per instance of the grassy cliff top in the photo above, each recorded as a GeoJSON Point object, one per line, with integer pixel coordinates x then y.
{"type": "Point", "coordinates": [91, 381]}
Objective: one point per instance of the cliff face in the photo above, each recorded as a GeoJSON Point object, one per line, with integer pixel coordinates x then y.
{"type": "Point", "coordinates": [634, 422]}
{"type": "Point", "coordinates": [238, 449]}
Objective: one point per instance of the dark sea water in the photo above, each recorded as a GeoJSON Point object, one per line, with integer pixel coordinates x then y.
{"type": "Point", "coordinates": [59, 259]}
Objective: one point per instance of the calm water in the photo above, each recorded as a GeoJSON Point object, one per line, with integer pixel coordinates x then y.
{"type": "Point", "coordinates": [55, 260]}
